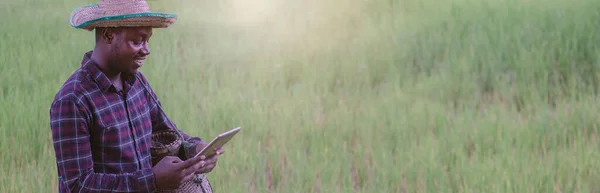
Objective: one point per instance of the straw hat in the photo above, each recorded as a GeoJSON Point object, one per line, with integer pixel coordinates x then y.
{"type": "Point", "coordinates": [119, 13]}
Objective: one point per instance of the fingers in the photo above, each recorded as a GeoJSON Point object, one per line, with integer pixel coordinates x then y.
{"type": "Point", "coordinates": [220, 151]}
{"type": "Point", "coordinates": [188, 177]}
{"type": "Point", "coordinates": [208, 165]}
{"type": "Point", "coordinates": [171, 159]}
{"type": "Point", "coordinates": [197, 166]}
{"type": "Point", "coordinates": [206, 169]}
{"type": "Point", "coordinates": [188, 163]}
{"type": "Point", "coordinates": [210, 160]}
{"type": "Point", "coordinates": [213, 159]}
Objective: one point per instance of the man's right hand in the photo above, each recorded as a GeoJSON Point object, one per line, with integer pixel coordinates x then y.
{"type": "Point", "coordinates": [171, 172]}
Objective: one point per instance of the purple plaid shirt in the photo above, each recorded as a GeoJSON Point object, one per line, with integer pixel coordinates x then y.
{"type": "Point", "coordinates": [102, 135]}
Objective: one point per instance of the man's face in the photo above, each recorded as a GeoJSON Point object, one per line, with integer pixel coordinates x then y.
{"type": "Point", "coordinates": [129, 48]}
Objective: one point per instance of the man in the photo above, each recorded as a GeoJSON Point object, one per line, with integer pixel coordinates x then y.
{"type": "Point", "coordinates": [103, 116]}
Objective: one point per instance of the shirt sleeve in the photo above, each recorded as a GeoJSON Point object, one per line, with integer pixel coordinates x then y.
{"type": "Point", "coordinates": [71, 140]}
{"type": "Point", "coordinates": [161, 122]}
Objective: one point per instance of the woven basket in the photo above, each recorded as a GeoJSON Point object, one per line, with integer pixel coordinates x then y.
{"type": "Point", "coordinates": [168, 143]}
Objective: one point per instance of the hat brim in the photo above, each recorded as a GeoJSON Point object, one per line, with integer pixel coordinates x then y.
{"type": "Point", "coordinates": [88, 17]}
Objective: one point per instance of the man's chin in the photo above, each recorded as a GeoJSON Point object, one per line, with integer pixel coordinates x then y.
{"type": "Point", "coordinates": [130, 72]}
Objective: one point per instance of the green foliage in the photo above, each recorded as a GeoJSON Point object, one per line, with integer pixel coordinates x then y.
{"type": "Point", "coordinates": [333, 96]}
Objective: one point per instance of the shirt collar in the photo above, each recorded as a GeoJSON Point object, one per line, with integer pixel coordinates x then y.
{"type": "Point", "coordinates": [100, 78]}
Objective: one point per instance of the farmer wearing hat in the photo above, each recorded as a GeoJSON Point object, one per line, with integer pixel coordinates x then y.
{"type": "Point", "coordinates": [104, 115]}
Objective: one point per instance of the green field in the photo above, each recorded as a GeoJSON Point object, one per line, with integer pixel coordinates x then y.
{"type": "Point", "coordinates": [340, 96]}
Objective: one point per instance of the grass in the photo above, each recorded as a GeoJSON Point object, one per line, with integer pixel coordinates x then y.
{"type": "Point", "coordinates": [368, 96]}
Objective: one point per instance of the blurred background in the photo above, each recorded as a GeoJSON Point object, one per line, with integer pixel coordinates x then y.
{"type": "Point", "coordinates": [340, 96]}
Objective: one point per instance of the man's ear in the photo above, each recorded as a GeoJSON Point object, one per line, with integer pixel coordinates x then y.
{"type": "Point", "coordinates": [106, 35]}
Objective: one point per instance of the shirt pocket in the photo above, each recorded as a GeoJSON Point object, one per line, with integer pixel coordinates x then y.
{"type": "Point", "coordinates": [111, 128]}
{"type": "Point", "coordinates": [114, 148]}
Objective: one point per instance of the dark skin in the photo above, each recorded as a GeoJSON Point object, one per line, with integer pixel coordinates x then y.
{"type": "Point", "coordinates": [120, 51]}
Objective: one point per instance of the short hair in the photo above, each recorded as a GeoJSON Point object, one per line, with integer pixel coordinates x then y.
{"type": "Point", "coordinates": [100, 30]}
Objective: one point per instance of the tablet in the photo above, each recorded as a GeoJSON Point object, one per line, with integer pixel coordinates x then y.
{"type": "Point", "coordinates": [217, 142]}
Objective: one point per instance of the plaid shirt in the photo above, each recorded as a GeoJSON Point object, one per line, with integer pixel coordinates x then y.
{"type": "Point", "coordinates": [102, 135]}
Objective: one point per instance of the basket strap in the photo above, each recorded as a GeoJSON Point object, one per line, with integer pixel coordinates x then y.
{"type": "Point", "coordinates": [159, 107]}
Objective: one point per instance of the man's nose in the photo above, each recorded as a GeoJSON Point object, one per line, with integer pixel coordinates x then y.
{"type": "Point", "coordinates": [145, 49]}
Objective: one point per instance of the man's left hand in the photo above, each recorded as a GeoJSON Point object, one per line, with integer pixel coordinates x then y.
{"type": "Point", "coordinates": [207, 164]}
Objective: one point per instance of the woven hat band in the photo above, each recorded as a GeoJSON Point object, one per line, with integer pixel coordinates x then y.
{"type": "Point", "coordinates": [122, 7]}
{"type": "Point", "coordinates": [119, 13]}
